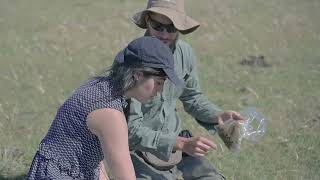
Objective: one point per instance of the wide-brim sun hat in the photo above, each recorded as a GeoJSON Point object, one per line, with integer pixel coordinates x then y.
{"type": "Point", "coordinates": [150, 52]}
{"type": "Point", "coordinates": [173, 9]}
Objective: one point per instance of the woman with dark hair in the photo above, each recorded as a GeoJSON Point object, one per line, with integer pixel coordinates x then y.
{"type": "Point", "coordinates": [91, 125]}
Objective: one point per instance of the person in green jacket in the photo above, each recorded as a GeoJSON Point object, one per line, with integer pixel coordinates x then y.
{"type": "Point", "coordinates": [154, 127]}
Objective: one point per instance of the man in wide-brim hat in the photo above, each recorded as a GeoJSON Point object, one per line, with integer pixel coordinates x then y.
{"type": "Point", "coordinates": [155, 127]}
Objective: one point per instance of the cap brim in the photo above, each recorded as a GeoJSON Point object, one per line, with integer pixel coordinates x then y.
{"type": "Point", "coordinates": [172, 76]}
{"type": "Point", "coordinates": [182, 22]}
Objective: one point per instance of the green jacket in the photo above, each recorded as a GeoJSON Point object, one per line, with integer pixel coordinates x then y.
{"type": "Point", "coordinates": [154, 126]}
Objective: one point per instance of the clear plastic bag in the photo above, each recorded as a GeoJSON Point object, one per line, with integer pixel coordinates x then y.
{"type": "Point", "coordinates": [252, 129]}
{"type": "Point", "coordinates": [255, 125]}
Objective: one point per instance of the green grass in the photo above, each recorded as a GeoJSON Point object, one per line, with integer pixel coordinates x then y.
{"type": "Point", "coordinates": [48, 48]}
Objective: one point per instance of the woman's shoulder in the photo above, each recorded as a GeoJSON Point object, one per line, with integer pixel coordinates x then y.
{"type": "Point", "coordinates": [95, 87]}
{"type": "Point", "coordinates": [99, 93]}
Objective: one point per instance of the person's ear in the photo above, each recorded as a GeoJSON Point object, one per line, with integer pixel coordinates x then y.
{"type": "Point", "coordinates": [146, 18]}
{"type": "Point", "coordinates": [137, 76]}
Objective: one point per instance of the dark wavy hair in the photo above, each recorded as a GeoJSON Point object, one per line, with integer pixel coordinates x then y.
{"type": "Point", "coordinates": [123, 74]}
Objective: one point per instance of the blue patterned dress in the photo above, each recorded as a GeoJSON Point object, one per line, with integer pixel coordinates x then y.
{"type": "Point", "coordinates": [70, 150]}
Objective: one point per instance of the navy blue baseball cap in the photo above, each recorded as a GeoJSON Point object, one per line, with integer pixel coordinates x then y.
{"type": "Point", "coordinates": [150, 52]}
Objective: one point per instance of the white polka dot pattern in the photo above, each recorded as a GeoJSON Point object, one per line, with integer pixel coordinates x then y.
{"type": "Point", "coordinates": [70, 150]}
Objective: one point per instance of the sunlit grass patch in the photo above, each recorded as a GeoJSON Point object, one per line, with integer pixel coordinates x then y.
{"type": "Point", "coordinates": [48, 48]}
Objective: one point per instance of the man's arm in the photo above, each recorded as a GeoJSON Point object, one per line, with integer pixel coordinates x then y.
{"type": "Point", "coordinates": [194, 101]}
{"type": "Point", "coordinates": [197, 104]}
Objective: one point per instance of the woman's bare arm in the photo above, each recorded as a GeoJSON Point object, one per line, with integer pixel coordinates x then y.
{"type": "Point", "coordinates": [111, 128]}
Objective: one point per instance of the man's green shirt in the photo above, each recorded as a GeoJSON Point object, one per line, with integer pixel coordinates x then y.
{"type": "Point", "coordinates": [154, 126]}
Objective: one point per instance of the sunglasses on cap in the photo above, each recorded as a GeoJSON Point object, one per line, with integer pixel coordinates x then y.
{"type": "Point", "coordinates": [158, 26]}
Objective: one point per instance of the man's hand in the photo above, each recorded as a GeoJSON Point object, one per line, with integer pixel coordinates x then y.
{"type": "Point", "coordinates": [229, 115]}
{"type": "Point", "coordinates": [195, 146]}
{"type": "Point", "coordinates": [230, 129]}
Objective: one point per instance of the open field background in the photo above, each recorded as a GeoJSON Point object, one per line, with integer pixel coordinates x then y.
{"type": "Point", "coordinates": [48, 48]}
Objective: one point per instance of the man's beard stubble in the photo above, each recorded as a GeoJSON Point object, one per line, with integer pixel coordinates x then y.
{"type": "Point", "coordinates": [171, 46]}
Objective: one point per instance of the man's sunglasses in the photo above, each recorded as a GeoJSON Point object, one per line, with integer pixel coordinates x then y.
{"type": "Point", "coordinates": [161, 27]}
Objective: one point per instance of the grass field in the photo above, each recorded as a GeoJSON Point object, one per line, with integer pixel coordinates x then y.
{"type": "Point", "coordinates": [48, 48]}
